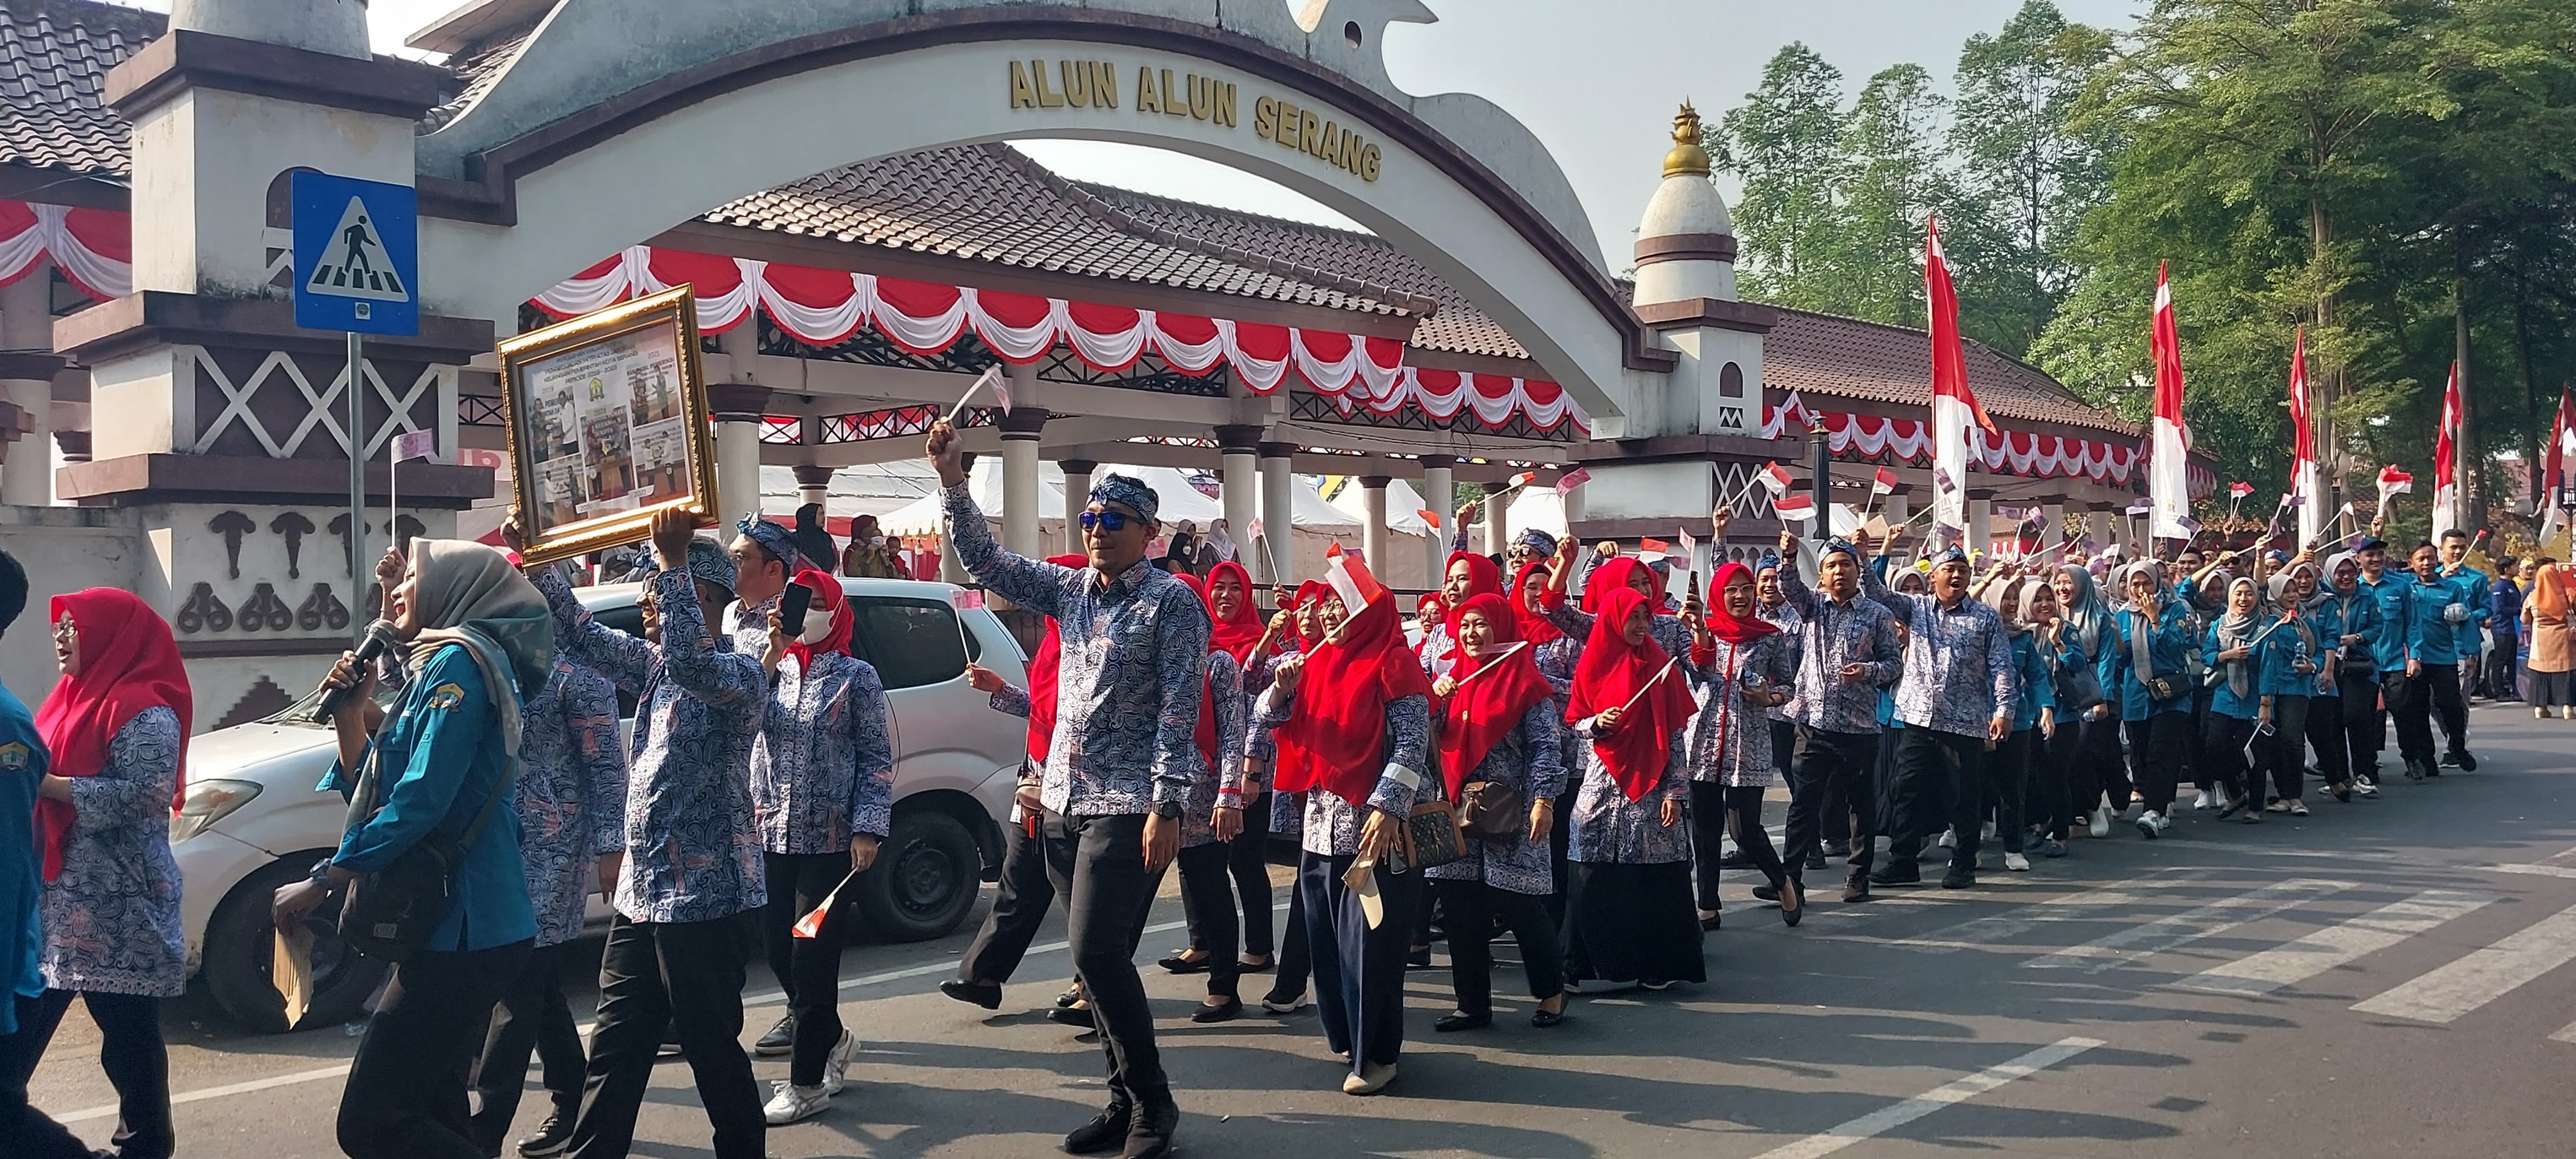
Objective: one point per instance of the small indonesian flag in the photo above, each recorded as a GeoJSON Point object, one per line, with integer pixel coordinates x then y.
{"type": "Point", "coordinates": [965, 599]}
{"type": "Point", "coordinates": [1429, 516]}
{"type": "Point", "coordinates": [1351, 580]}
{"type": "Point", "coordinates": [2240, 490]}
{"type": "Point", "coordinates": [1566, 483]}
{"type": "Point", "coordinates": [2294, 500]}
{"type": "Point", "coordinates": [2393, 482]}
{"type": "Point", "coordinates": [1884, 483]}
{"type": "Point", "coordinates": [415, 445]}
{"type": "Point", "coordinates": [1774, 478]}
{"type": "Point", "coordinates": [2142, 507]}
{"type": "Point", "coordinates": [1647, 547]}
{"type": "Point", "coordinates": [1255, 528]}
{"type": "Point", "coordinates": [1794, 508]}
{"type": "Point", "coordinates": [810, 926]}
{"type": "Point", "coordinates": [1941, 479]}
{"type": "Point", "coordinates": [1690, 546]}
{"type": "Point", "coordinates": [1523, 479]}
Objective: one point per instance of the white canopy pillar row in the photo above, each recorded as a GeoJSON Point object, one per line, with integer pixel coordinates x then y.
{"type": "Point", "coordinates": [1021, 429]}
{"type": "Point", "coordinates": [1077, 495]}
{"type": "Point", "coordinates": [2104, 524]}
{"type": "Point", "coordinates": [27, 372]}
{"type": "Point", "coordinates": [1981, 523]}
{"type": "Point", "coordinates": [1278, 514]}
{"type": "Point", "coordinates": [738, 409]}
{"type": "Point", "coordinates": [813, 484]}
{"type": "Point", "coordinates": [1375, 537]}
{"type": "Point", "coordinates": [1498, 524]}
{"type": "Point", "coordinates": [1437, 489]}
{"type": "Point", "coordinates": [2052, 525]}
{"type": "Point", "coordinates": [1239, 489]}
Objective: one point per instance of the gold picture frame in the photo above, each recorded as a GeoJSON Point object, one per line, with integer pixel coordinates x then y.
{"type": "Point", "coordinates": [608, 423]}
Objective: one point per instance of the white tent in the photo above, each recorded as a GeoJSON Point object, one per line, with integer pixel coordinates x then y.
{"type": "Point", "coordinates": [1404, 507]}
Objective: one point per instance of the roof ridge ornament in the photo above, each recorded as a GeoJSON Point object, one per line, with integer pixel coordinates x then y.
{"type": "Point", "coordinates": [1687, 155]}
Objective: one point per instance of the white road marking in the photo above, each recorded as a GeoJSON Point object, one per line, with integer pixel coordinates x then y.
{"type": "Point", "coordinates": [2368, 933]}
{"type": "Point", "coordinates": [1887, 1119]}
{"type": "Point", "coordinates": [1995, 932]}
{"type": "Point", "coordinates": [2565, 1034]}
{"type": "Point", "coordinates": [2534, 870]}
{"type": "Point", "coordinates": [2166, 933]}
{"type": "Point", "coordinates": [2483, 976]}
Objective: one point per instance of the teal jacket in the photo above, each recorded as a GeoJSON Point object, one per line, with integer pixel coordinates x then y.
{"type": "Point", "coordinates": [23, 761]}
{"type": "Point", "coordinates": [443, 744]}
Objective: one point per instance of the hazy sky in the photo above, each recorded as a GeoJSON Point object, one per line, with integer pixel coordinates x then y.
{"type": "Point", "coordinates": [1597, 80]}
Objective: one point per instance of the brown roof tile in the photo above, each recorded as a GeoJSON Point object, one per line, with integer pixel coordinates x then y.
{"type": "Point", "coordinates": [54, 57]}
{"type": "Point", "coordinates": [1830, 356]}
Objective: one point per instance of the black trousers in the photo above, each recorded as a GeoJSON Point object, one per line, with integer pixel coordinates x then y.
{"type": "Point", "coordinates": [2501, 660]}
{"type": "Point", "coordinates": [134, 1057]}
{"type": "Point", "coordinates": [2048, 782]}
{"type": "Point", "coordinates": [1207, 904]}
{"type": "Point", "coordinates": [1734, 812]}
{"type": "Point", "coordinates": [2201, 778]}
{"type": "Point", "coordinates": [1359, 971]}
{"type": "Point", "coordinates": [25, 1132]}
{"type": "Point", "coordinates": [2325, 731]}
{"type": "Point", "coordinates": [2007, 780]}
{"type": "Point", "coordinates": [1837, 816]}
{"type": "Point", "coordinates": [1938, 776]}
{"type": "Point", "coordinates": [1020, 901]}
{"type": "Point", "coordinates": [1247, 857]}
{"type": "Point", "coordinates": [1296, 958]}
{"type": "Point", "coordinates": [1827, 762]}
{"type": "Point", "coordinates": [2365, 719]}
{"type": "Point", "coordinates": [2156, 748]}
{"type": "Point", "coordinates": [406, 1092]}
{"type": "Point", "coordinates": [533, 1018]}
{"type": "Point", "coordinates": [130, 1051]}
{"type": "Point", "coordinates": [808, 969]}
{"type": "Point", "coordinates": [1098, 867]}
{"type": "Point", "coordinates": [2285, 753]}
{"type": "Point", "coordinates": [2222, 754]}
{"type": "Point", "coordinates": [2414, 700]}
{"type": "Point", "coordinates": [1473, 907]}
{"type": "Point", "coordinates": [687, 977]}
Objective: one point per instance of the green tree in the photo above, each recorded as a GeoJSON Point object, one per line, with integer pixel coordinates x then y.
{"type": "Point", "coordinates": [1786, 143]}
{"type": "Point", "coordinates": [1892, 180]}
{"type": "Point", "coordinates": [2033, 171]}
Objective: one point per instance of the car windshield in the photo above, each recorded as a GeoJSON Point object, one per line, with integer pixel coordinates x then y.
{"type": "Point", "coordinates": [301, 712]}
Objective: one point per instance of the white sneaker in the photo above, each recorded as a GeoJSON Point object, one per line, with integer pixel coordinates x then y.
{"type": "Point", "coordinates": [792, 1102]}
{"type": "Point", "coordinates": [2151, 824]}
{"type": "Point", "coordinates": [1949, 839]}
{"type": "Point", "coordinates": [2200, 802]}
{"type": "Point", "coordinates": [2017, 863]}
{"type": "Point", "coordinates": [2101, 826]}
{"type": "Point", "coordinates": [1369, 1079]}
{"type": "Point", "coordinates": [836, 1065]}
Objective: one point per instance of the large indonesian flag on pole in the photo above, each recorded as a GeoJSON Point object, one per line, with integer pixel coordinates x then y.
{"type": "Point", "coordinates": [2305, 492]}
{"type": "Point", "coordinates": [2446, 453]}
{"type": "Point", "coordinates": [2169, 461]}
{"type": "Point", "coordinates": [2553, 463]}
{"type": "Point", "coordinates": [1955, 413]}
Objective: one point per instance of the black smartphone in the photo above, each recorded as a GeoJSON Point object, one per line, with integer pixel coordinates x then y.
{"type": "Point", "coordinates": [791, 608]}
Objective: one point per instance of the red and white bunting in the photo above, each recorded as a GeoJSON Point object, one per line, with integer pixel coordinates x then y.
{"type": "Point", "coordinates": [94, 248]}
{"type": "Point", "coordinates": [2022, 453]}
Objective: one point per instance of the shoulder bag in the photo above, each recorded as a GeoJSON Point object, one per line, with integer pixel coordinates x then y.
{"type": "Point", "coordinates": [391, 913]}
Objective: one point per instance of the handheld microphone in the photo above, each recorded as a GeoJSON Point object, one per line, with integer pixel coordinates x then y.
{"type": "Point", "coordinates": [380, 636]}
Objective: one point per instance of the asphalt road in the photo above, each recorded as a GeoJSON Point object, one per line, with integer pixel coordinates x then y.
{"type": "Point", "coordinates": [2383, 979]}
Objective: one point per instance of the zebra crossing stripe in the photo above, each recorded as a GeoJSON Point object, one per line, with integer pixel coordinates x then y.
{"type": "Point", "coordinates": [2128, 945]}
{"type": "Point", "coordinates": [2482, 976]}
{"type": "Point", "coordinates": [1885, 1119]}
{"type": "Point", "coordinates": [2294, 962]}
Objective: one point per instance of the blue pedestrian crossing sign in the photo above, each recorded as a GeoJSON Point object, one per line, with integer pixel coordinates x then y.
{"type": "Point", "coordinates": [357, 255]}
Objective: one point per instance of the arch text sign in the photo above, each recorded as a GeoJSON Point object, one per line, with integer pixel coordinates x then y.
{"type": "Point", "coordinates": [1094, 84]}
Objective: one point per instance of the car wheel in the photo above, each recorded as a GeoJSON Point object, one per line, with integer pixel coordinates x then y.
{"type": "Point", "coordinates": [241, 943]}
{"type": "Point", "coordinates": [924, 880]}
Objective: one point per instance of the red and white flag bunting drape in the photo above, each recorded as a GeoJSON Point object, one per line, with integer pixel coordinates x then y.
{"type": "Point", "coordinates": [93, 247]}
{"type": "Point", "coordinates": [823, 307]}
{"type": "Point", "coordinates": [2017, 452]}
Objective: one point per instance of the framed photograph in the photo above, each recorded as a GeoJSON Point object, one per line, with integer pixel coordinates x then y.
{"type": "Point", "coordinates": [608, 424]}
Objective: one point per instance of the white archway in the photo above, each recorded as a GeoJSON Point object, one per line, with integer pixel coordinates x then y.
{"type": "Point", "coordinates": [595, 179]}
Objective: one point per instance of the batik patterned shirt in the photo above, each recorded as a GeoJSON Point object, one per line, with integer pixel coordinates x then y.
{"type": "Point", "coordinates": [1128, 688]}
{"type": "Point", "coordinates": [111, 919]}
{"type": "Point", "coordinates": [1332, 825]}
{"type": "Point", "coordinates": [1609, 829]}
{"type": "Point", "coordinates": [822, 768]}
{"type": "Point", "coordinates": [1287, 810]}
{"type": "Point", "coordinates": [693, 849]}
{"type": "Point", "coordinates": [1959, 673]}
{"type": "Point", "coordinates": [1830, 635]}
{"type": "Point", "coordinates": [1730, 743]}
{"type": "Point", "coordinates": [1198, 812]}
{"type": "Point", "coordinates": [1529, 759]}
{"type": "Point", "coordinates": [572, 794]}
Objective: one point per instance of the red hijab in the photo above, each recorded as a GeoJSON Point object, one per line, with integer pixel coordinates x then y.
{"type": "Point", "coordinates": [1724, 625]}
{"type": "Point", "coordinates": [836, 638]}
{"type": "Point", "coordinates": [1205, 734]}
{"type": "Point", "coordinates": [1042, 670]}
{"type": "Point", "coordinates": [1611, 673]}
{"type": "Point", "coordinates": [1336, 741]}
{"type": "Point", "coordinates": [1532, 626]}
{"type": "Point", "coordinates": [1490, 700]}
{"type": "Point", "coordinates": [1307, 593]}
{"type": "Point", "coordinates": [1235, 637]}
{"type": "Point", "coordinates": [1483, 578]}
{"type": "Point", "coordinates": [129, 663]}
{"type": "Point", "coordinates": [1614, 573]}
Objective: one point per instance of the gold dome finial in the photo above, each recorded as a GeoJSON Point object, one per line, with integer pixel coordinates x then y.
{"type": "Point", "coordinates": [1687, 156]}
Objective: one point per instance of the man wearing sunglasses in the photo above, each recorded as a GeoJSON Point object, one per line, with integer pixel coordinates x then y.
{"type": "Point", "coordinates": [1135, 646]}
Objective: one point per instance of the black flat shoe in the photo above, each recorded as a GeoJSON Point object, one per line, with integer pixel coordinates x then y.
{"type": "Point", "coordinates": [1765, 893]}
{"type": "Point", "coordinates": [985, 994]}
{"type": "Point", "coordinates": [1793, 904]}
{"type": "Point", "coordinates": [1180, 965]}
{"type": "Point", "coordinates": [1106, 1131]}
{"type": "Point", "coordinates": [1711, 922]}
{"type": "Point", "coordinates": [552, 1137]}
{"type": "Point", "coordinates": [1071, 995]}
{"type": "Point", "coordinates": [1457, 1020]}
{"type": "Point", "coordinates": [1072, 1016]}
{"type": "Point", "coordinates": [1264, 966]}
{"type": "Point", "coordinates": [1151, 1136]}
{"type": "Point", "coordinates": [1226, 1011]}
{"type": "Point", "coordinates": [1419, 959]}
{"type": "Point", "coordinates": [1544, 1017]}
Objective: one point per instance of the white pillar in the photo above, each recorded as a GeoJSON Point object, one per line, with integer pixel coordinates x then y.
{"type": "Point", "coordinates": [1438, 490]}
{"type": "Point", "coordinates": [2052, 525]}
{"type": "Point", "coordinates": [1278, 515]}
{"type": "Point", "coordinates": [27, 477]}
{"type": "Point", "coordinates": [737, 468]}
{"type": "Point", "coordinates": [1373, 532]}
{"type": "Point", "coordinates": [1077, 495]}
{"type": "Point", "coordinates": [1020, 431]}
{"type": "Point", "coordinates": [1239, 491]}
{"type": "Point", "coordinates": [813, 484]}
{"type": "Point", "coordinates": [1981, 525]}
{"type": "Point", "coordinates": [1498, 530]}
{"type": "Point", "coordinates": [2106, 527]}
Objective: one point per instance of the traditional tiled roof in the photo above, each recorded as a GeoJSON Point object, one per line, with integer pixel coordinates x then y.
{"type": "Point", "coordinates": [54, 57]}
{"type": "Point", "coordinates": [1830, 356]}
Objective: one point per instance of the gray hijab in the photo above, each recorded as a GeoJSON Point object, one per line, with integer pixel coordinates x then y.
{"type": "Point", "coordinates": [2235, 630]}
{"type": "Point", "coordinates": [2088, 613]}
{"type": "Point", "coordinates": [467, 593]}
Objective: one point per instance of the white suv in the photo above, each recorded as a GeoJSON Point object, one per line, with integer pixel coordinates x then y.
{"type": "Point", "coordinates": [253, 819]}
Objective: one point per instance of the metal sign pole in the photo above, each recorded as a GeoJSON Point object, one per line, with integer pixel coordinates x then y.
{"type": "Point", "coordinates": [360, 564]}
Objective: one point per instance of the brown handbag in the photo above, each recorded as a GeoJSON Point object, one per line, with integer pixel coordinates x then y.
{"type": "Point", "coordinates": [1491, 811]}
{"type": "Point", "coordinates": [1431, 834]}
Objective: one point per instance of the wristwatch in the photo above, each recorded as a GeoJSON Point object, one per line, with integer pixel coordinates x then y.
{"type": "Point", "coordinates": [1168, 810]}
